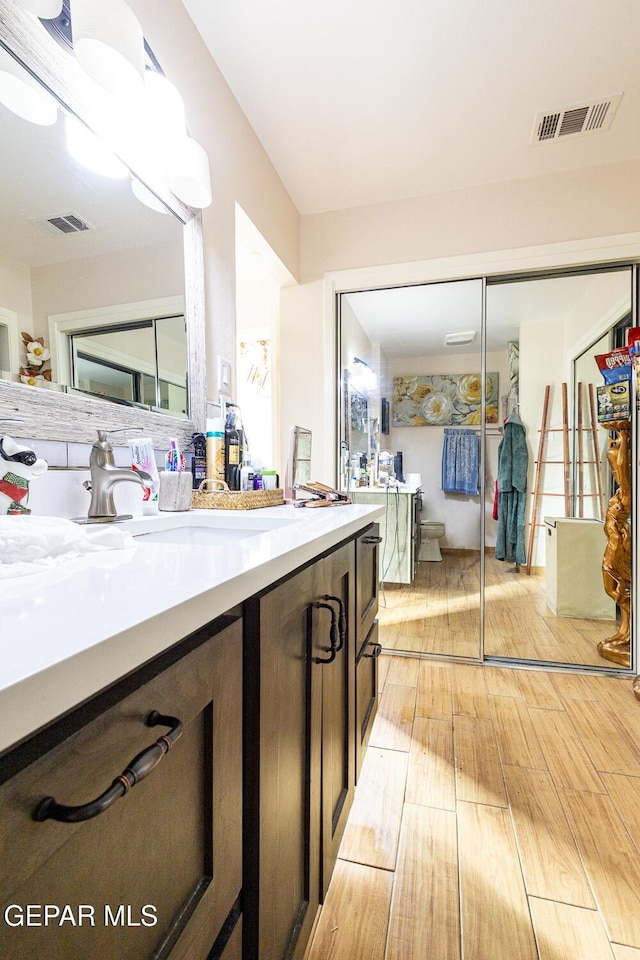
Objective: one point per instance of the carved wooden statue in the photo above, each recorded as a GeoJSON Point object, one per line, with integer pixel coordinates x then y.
{"type": "Point", "coordinates": [616, 563]}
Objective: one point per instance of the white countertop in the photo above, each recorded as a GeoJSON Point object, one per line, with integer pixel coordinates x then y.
{"type": "Point", "coordinates": [410, 488]}
{"type": "Point", "coordinates": [73, 629]}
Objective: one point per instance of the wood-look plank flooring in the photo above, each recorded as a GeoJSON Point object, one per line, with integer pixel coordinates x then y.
{"type": "Point", "coordinates": [500, 821]}
{"type": "Point", "coordinates": [439, 613]}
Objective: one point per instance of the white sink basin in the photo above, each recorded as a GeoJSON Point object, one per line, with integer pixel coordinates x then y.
{"type": "Point", "coordinates": [203, 528]}
{"type": "Point", "coordinates": [198, 536]}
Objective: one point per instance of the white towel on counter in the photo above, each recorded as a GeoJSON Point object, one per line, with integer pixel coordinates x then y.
{"type": "Point", "coordinates": [29, 543]}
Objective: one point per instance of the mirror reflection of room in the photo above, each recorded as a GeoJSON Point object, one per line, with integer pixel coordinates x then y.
{"type": "Point", "coordinates": [541, 454]}
{"type": "Point", "coordinates": [417, 414]}
{"type": "Point", "coordinates": [69, 237]}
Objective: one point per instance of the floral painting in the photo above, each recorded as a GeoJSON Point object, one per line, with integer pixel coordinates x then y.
{"type": "Point", "coordinates": [448, 399]}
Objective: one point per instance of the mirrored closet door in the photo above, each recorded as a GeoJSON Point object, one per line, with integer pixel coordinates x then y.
{"type": "Point", "coordinates": [507, 534]}
{"type": "Point", "coordinates": [546, 598]}
{"type": "Point", "coordinates": [411, 400]}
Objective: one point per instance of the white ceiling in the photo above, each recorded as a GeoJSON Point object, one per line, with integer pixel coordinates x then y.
{"type": "Point", "coordinates": [365, 101]}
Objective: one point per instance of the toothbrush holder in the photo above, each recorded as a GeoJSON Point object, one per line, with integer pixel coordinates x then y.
{"type": "Point", "coordinates": [175, 490]}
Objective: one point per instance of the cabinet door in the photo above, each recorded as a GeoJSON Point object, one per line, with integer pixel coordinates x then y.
{"type": "Point", "coordinates": [366, 692]}
{"type": "Point", "coordinates": [282, 772]}
{"type": "Point", "coordinates": [367, 550]}
{"type": "Point", "coordinates": [338, 708]}
{"type": "Point", "coordinates": [158, 871]}
{"type": "Point", "coordinates": [366, 680]}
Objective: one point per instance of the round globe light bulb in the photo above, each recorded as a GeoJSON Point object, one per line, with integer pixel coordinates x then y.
{"type": "Point", "coordinates": [45, 9]}
{"type": "Point", "coordinates": [23, 95]}
{"type": "Point", "coordinates": [109, 44]}
{"type": "Point", "coordinates": [85, 147]}
{"type": "Point", "coordinates": [189, 173]}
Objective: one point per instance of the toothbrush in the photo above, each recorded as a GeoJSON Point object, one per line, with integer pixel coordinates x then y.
{"type": "Point", "coordinates": [175, 461]}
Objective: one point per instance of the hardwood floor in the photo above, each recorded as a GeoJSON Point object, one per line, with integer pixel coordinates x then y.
{"type": "Point", "coordinates": [497, 818]}
{"type": "Point", "coordinates": [440, 614]}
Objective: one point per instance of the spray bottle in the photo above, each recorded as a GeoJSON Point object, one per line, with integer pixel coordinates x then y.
{"type": "Point", "coordinates": [233, 446]}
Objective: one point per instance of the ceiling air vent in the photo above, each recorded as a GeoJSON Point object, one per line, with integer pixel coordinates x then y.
{"type": "Point", "coordinates": [459, 338]}
{"type": "Point", "coordinates": [576, 120]}
{"type": "Point", "coordinates": [65, 223]}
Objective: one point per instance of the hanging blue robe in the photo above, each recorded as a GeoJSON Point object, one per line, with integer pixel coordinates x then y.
{"type": "Point", "coordinates": [513, 462]}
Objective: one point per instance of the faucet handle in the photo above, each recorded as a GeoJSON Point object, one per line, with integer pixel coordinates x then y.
{"type": "Point", "coordinates": [102, 434]}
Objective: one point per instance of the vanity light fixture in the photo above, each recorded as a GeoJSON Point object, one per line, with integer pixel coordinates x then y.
{"type": "Point", "coordinates": [23, 95]}
{"type": "Point", "coordinates": [459, 339]}
{"type": "Point", "coordinates": [109, 44]}
{"type": "Point", "coordinates": [85, 147]}
{"type": "Point", "coordinates": [163, 109]}
{"type": "Point", "coordinates": [46, 9]}
{"type": "Point", "coordinates": [189, 173]}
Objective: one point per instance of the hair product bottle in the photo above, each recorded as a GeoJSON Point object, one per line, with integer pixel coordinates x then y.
{"type": "Point", "coordinates": [233, 444]}
{"type": "Point", "coordinates": [198, 459]}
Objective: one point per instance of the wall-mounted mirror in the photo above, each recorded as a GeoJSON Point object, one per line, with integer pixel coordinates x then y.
{"type": "Point", "coordinates": [112, 286]}
{"type": "Point", "coordinates": [540, 336]}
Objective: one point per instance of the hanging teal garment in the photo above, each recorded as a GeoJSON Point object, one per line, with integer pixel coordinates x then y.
{"type": "Point", "coordinates": [513, 463]}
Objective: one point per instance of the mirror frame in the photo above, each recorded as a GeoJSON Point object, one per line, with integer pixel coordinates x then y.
{"type": "Point", "coordinates": [47, 415]}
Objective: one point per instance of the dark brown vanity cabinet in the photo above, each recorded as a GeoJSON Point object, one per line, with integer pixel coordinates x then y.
{"type": "Point", "coordinates": [158, 872]}
{"type": "Point", "coordinates": [367, 646]}
{"type": "Point", "coordinates": [300, 761]}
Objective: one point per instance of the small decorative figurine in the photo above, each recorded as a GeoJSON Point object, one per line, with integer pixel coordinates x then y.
{"type": "Point", "coordinates": [18, 465]}
{"type": "Point", "coordinates": [35, 371]}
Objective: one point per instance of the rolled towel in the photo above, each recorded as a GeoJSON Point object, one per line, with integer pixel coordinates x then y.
{"type": "Point", "coordinates": [26, 540]}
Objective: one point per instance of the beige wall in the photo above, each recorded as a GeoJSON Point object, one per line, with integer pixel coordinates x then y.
{"type": "Point", "coordinates": [15, 291]}
{"type": "Point", "coordinates": [595, 202]}
{"type": "Point", "coordinates": [240, 168]}
{"type": "Point", "coordinates": [143, 273]}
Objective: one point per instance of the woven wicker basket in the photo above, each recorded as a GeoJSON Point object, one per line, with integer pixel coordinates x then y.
{"type": "Point", "coordinates": [221, 498]}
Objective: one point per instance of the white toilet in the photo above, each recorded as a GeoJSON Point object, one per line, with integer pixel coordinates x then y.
{"type": "Point", "coordinates": [430, 533]}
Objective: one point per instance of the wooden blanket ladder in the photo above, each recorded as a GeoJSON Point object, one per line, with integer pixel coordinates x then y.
{"type": "Point", "coordinates": [541, 462]}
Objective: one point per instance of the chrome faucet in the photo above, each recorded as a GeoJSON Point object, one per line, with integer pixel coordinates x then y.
{"type": "Point", "coordinates": [104, 476]}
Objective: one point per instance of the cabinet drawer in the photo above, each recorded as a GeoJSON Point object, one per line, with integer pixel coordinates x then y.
{"type": "Point", "coordinates": [366, 692]}
{"type": "Point", "coordinates": [164, 859]}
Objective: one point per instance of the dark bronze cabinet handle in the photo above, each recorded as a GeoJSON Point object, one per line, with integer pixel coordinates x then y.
{"type": "Point", "coordinates": [332, 649]}
{"type": "Point", "coordinates": [139, 768]}
{"type": "Point", "coordinates": [372, 539]}
{"type": "Point", "coordinates": [377, 650]}
{"type": "Point", "coordinates": [342, 620]}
